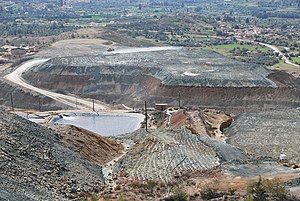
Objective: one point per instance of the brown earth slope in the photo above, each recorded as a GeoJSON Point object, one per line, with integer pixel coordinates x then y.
{"type": "Point", "coordinates": [132, 90]}
{"type": "Point", "coordinates": [208, 121]}
{"type": "Point", "coordinates": [94, 147]}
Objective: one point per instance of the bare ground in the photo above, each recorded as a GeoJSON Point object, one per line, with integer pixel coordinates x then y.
{"type": "Point", "coordinates": [92, 146]}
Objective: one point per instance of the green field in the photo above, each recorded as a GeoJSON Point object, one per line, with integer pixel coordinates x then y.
{"type": "Point", "coordinates": [224, 49]}
{"type": "Point", "coordinates": [296, 59]}
{"type": "Point", "coordinates": [282, 65]}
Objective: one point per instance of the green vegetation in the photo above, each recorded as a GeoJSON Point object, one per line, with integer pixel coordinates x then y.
{"type": "Point", "coordinates": [247, 52]}
{"type": "Point", "coordinates": [265, 189]}
{"type": "Point", "coordinates": [212, 24]}
{"type": "Point", "coordinates": [226, 48]}
{"type": "Point", "coordinates": [295, 60]}
{"type": "Point", "coordinates": [282, 65]}
{"type": "Point", "coordinates": [261, 190]}
{"type": "Point", "coordinates": [122, 198]}
{"type": "Point", "coordinates": [34, 29]}
{"type": "Point", "coordinates": [178, 195]}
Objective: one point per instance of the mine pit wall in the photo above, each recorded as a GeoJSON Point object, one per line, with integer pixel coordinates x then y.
{"type": "Point", "coordinates": [132, 90]}
{"type": "Point", "coordinates": [25, 99]}
{"type": "Point", "coordinates": [233, 97]}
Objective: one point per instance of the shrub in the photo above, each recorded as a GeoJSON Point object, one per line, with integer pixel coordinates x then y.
{"type": "Point", "coordinates": [266, 189]}
{"type": "Point", "coordinates": [210, 193]}
{"type": "Point", "coordinates": [179, 195]}
{"type": "Point", "coordinates": [122, 198]}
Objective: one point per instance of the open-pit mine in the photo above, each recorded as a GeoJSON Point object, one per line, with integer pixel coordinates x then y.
{"type": "Point", "coordinates": [139, 122]}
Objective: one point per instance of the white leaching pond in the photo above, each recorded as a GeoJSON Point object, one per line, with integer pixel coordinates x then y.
{"type": "Point", "coordinates": [104, 124]}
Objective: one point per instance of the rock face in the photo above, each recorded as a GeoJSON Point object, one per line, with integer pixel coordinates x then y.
{"type": "Point", "coordinates": [35, 165]}
{"type": "Point", "coordinates": [215, 122]}
{"type": "Point", "coordinates": [209, 121]}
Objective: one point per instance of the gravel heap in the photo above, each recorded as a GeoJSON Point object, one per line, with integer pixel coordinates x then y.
{"type": "Point", "coordinates": [162, 154]}
{"type": "Point", "coordinates": [267, 133]}
{"type": "Point", "coordinates": [35, 165]}
{"type": "Point", "coordinates": [179, 67]}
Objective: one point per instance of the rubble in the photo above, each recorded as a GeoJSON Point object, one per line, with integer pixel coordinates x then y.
{"type": "Point", "coordinates": [267, 134]}
{"type": "Point", "coordinates": [35, 165]}
{"type": "Point", "coordinates": [161, 154]}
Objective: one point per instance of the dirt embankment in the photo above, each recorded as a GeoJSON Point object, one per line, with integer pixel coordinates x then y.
{"type": "Point", "coordinates": [94, 147]}
{"type": "Point", "coordinates": [209, 121]}
{"type": "Point", "coordinates": [26, 99]}
{"type": "Point", "coordinates": [287, 95]}
{"type": "Point", "coordinates": [132, 90]}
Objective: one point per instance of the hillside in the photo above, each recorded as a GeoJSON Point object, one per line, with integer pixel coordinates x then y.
{"type": "Point", "coordinates": [131, 75]}
{"type": "Point", "coordinates": [35, 165]}
{"type": "Point", "coordinates": [94, 147]}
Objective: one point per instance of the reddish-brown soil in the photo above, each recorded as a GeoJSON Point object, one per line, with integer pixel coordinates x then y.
{"type": "Point", "coordinates": [95, 148]}
{"type": "Point", "coordinates": [132, 91]}
{"type": "Point", "coordinates": [208, 121]}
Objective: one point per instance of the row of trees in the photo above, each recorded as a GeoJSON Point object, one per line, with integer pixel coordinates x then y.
{"type": "Point", "coordinates": [14, 29]}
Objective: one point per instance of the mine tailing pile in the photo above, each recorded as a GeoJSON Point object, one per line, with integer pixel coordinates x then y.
{"type": "Point", "coordinates": [161, 154]}
{"type": "Point", "coordinates": [35, 165]}
{"type": "Point", "coordinates": [267, 133]}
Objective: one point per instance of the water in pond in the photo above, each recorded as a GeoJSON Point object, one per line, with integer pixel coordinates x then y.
{"type": "Point", "coordinates": [106, 125]}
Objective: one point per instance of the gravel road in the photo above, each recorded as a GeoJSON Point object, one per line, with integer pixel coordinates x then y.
{"type": "Point", "coordinates": [16, 77]}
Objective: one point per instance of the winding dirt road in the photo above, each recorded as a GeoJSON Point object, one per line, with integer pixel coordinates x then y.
{"type": "Point", "coordinates": [272, 47]}
{"type": "Point", "coordinates": [78, 103]}
{"type": "Point", "coordinates": [275, 49]}
{"type": "Point", "coordinates": [75, 102]}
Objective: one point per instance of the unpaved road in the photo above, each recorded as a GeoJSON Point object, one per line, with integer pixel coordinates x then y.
{"type": "Point", "coordinates": [142, 49]}
{"type": "Point", "coordinates": [275, 49]}
{"type": "Point", "coordinates": [75, 102]}
{"type": "Point", "coordinates": [79, 103]}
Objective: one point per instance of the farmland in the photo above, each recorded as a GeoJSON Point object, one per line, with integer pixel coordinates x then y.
{"type": "Point", "coordinates": [225, 49]}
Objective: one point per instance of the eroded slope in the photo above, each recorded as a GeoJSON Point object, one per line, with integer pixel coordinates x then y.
{"type": "Point", "coordinates": [267, 133]}
{"type": "Point", "coordinates": [161, 154]}
{"type": "Point", "coordinates": [35, 165]}
{"type": "Point", "coordinates": [202, 77]}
